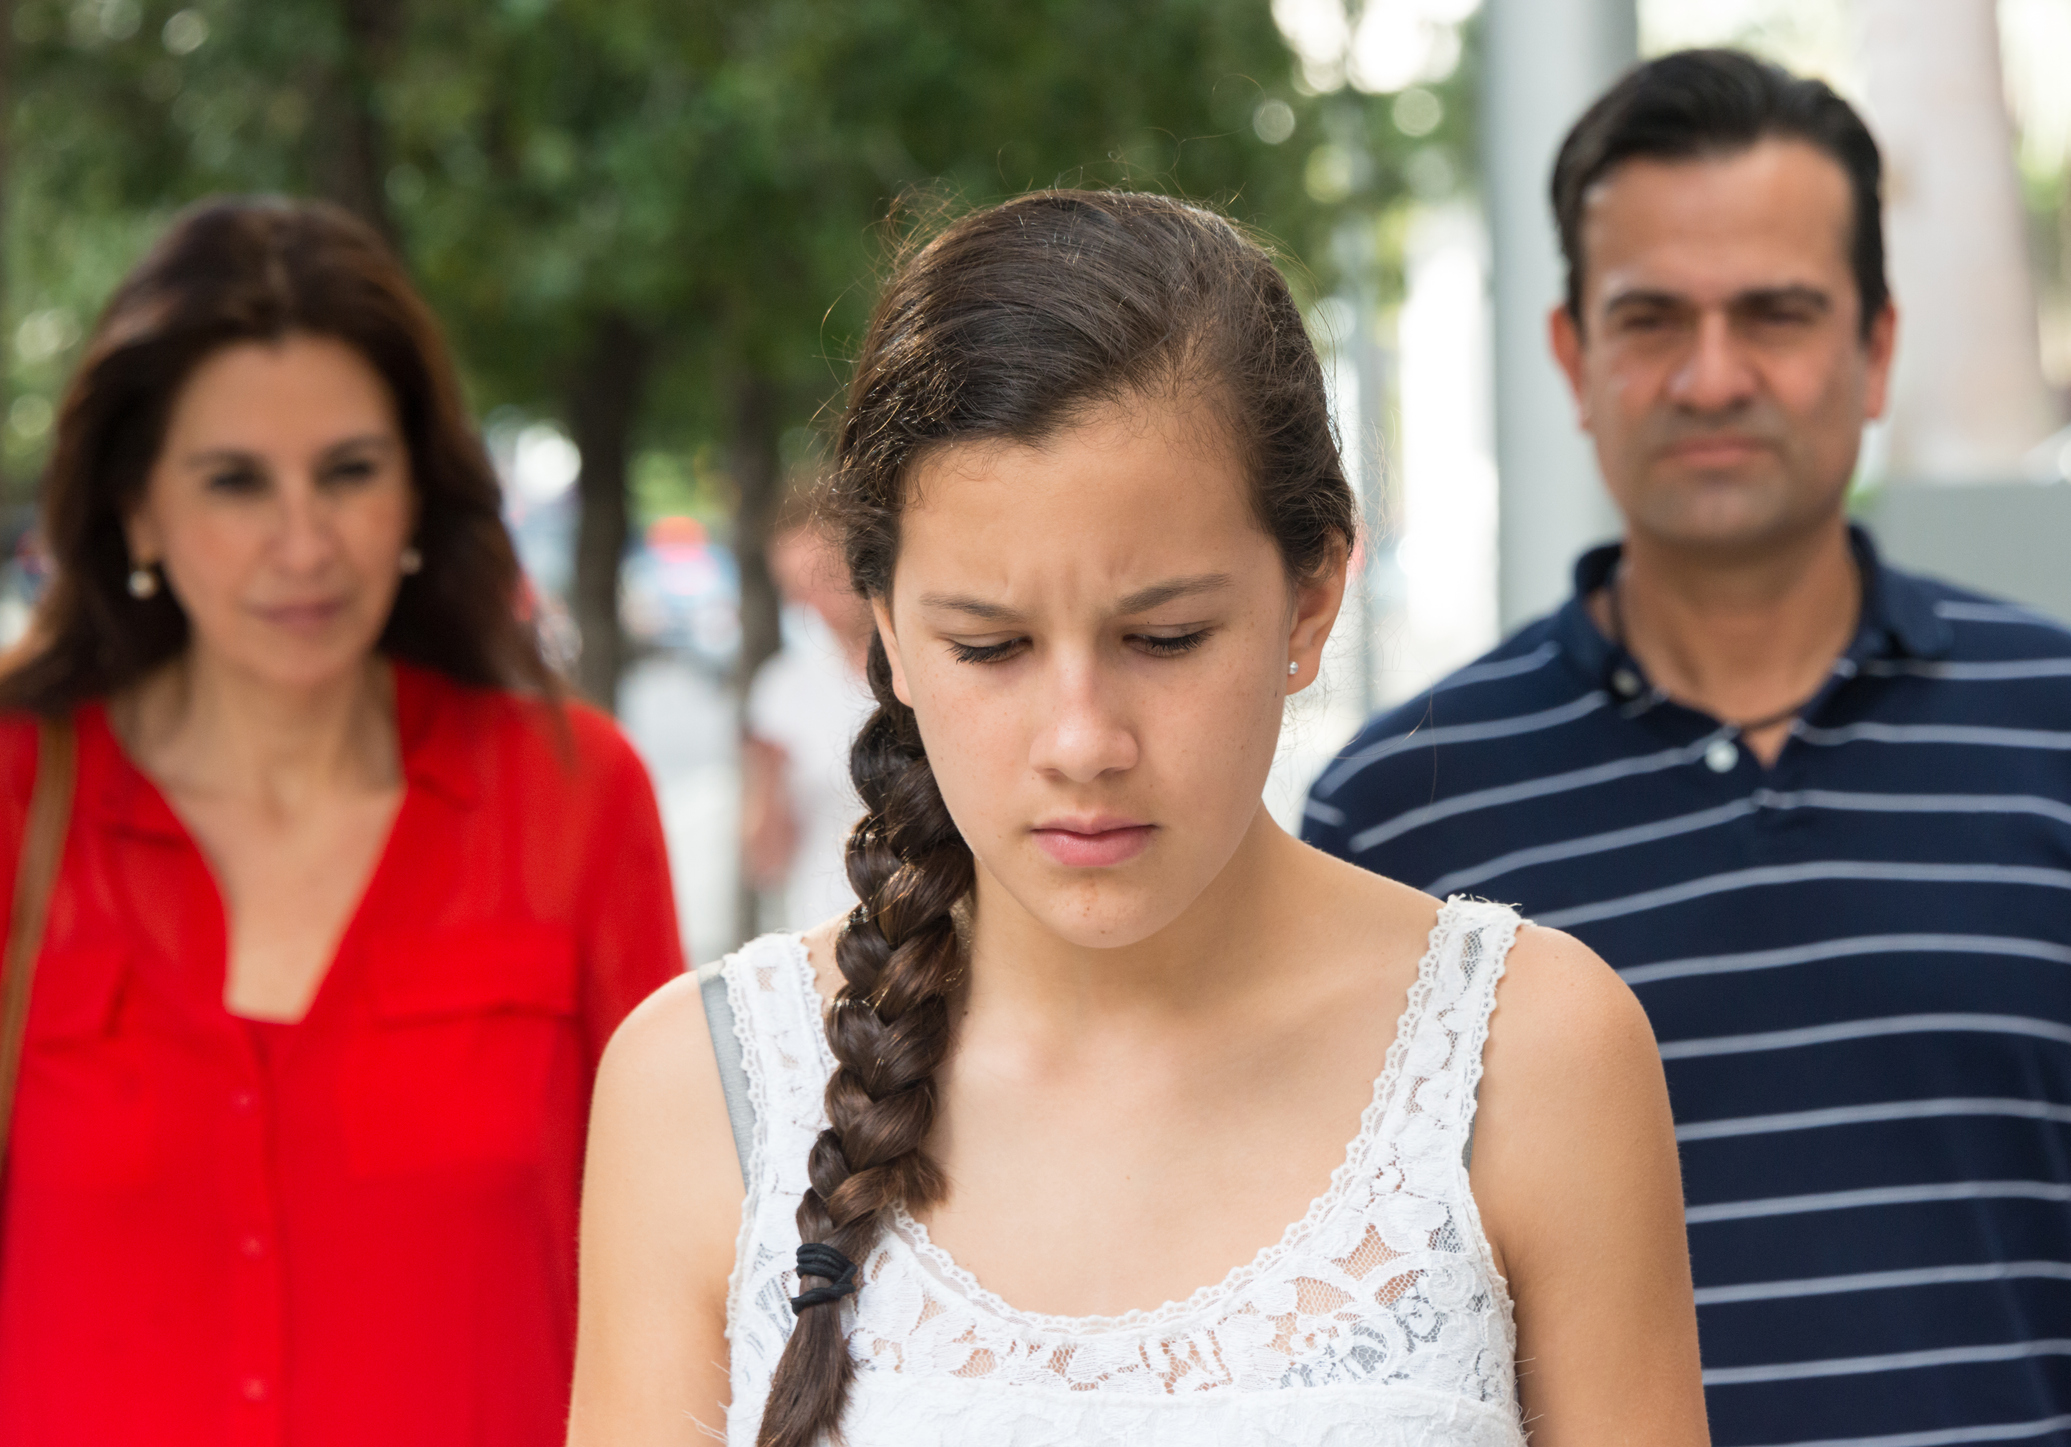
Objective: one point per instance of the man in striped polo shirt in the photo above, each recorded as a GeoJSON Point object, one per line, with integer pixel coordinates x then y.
{"type": "Point", "coordinates": [1815, 810]}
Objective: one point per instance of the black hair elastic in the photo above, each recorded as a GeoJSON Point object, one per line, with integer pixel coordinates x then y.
{"type": "Point", "coordinates": [817, 1258]}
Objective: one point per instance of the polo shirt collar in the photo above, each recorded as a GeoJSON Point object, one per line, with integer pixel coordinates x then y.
{"type": "Point", "coordinates": [1899, 606]}
{"type": "Point", "coordinates": [1898, 617]}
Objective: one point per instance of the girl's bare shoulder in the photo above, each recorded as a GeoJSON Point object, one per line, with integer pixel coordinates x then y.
{"type": "Point", "coordinates": [660, 1111]}
{"type": "Point", "coordinates": [1561, 1008]}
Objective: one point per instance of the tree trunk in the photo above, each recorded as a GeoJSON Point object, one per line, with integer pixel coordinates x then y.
{"type": "Point", "coordinates": [758, 498]}
{"type": "Point", "coordinates": [351, 163]}
{"type": "Point", "coordinates": [759, 488]}
{"type": "Point", "coordinates": [603, 404]}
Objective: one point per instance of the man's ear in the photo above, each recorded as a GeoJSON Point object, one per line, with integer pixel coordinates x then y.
{"type": "Point", "coordinates": [882, 616]}
{"type": "Point", "coordinates": [1316, 605]}
{"type": "Point", "coordinates": [1879, 346]}
{"type": "Point", "coordinates": [1565, 337]}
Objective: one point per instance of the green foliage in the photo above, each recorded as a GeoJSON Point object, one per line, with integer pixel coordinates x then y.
{"type": "Point", "coordinates": [123, 112]}
{"type": "Point", "coordinates": [681, 484]}
{"type": "Point", "coordinates": [716, 172]}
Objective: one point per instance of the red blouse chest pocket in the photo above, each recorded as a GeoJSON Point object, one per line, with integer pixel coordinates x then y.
{"type": "Point", "coordinates": [470, 1054]}
{"type": "Point", "coordinates": [88, 1111]}
{"type": "Point", "coordinates": [74, 992]}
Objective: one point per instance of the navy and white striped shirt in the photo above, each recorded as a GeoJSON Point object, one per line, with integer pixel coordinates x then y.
{"type": "Point", "coordinates": [1858, 964]}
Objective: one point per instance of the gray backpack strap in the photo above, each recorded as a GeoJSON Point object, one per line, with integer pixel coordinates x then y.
{"type": "Point", "coordinates": [726, 1046]}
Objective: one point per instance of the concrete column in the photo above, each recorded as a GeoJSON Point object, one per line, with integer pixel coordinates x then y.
{"type": "Point", "coordinates": [1544, 61]}
{"type": "Point", "coordinates": [1968, 397]}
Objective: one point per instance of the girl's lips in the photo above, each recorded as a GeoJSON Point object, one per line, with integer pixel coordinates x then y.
{"type": "Point", "coordinates": [1094, 849]}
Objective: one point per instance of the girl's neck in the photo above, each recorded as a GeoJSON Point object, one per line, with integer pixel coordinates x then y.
{"type": "Point", "coordinates": [203, 727]}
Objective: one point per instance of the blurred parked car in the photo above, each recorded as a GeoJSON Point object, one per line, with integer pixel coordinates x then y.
{"type": "Point", "coordinates": [680, 592]}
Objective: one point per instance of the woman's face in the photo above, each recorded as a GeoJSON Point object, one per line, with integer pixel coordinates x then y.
{"type": "Point", "coordinates": [1094, 636]}
{"type": "Point", "coordinates": [278, 508]}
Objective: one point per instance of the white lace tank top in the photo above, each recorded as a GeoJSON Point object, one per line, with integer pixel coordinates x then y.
{"type": "Point", "coordinates": [1377, 1320]}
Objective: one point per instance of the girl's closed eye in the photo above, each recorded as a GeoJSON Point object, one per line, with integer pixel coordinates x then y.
{"type": "Point", "coordinates": [985, 652]}
{"type": "Point", "coordinates": [1170, 645]}
{"type": "Point", "coordinates": [1158, 645]}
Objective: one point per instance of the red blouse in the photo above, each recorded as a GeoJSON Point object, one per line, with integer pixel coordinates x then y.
{"type": "Point", "coordinates": [360, 1228]}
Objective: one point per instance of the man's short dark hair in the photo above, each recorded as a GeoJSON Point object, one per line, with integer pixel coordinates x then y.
{"type": "Point", "coordinates": [1696, 104]}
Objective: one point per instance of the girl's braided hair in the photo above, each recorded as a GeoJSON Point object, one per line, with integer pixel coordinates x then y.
{"type": "Point", "coordinates": [1010, 325]}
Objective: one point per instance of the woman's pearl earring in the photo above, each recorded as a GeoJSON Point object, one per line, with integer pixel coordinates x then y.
{"type": "Point", "coordinates": [143, 582]}
{"type": "Point", "coordinates": [1293, 668]}
{"type": "Point", "coordinates": [411, 561]}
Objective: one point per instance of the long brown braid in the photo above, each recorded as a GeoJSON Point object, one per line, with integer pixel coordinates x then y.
{"type": "Point", "coordinates": [1009, 325]}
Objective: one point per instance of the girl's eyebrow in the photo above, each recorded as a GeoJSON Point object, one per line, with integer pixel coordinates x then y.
{"type": "Point", "coordinates": [974, 607]}
{"type": "Point", "coordinates": [1141, 601]}
{"type": "Point", "coordinates": [1145, 599]}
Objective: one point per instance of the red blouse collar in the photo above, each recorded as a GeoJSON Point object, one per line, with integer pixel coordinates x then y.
{"type": "Point", "coordinates": [432, 717]}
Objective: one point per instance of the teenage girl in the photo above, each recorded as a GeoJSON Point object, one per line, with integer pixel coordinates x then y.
{"type": "Point", "coordinates": [1114, 1114]}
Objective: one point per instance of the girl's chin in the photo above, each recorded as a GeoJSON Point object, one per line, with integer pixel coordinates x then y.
{"type": "Point", "coordinates": [1099, 914]}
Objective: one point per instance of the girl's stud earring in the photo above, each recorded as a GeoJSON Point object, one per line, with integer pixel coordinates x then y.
{"type": "Point", "coordinates": [143, 581]}
{"type": "Point", "coordinates": [411, 561]}
{"type": "Point", "coordinates": [1293, 668]}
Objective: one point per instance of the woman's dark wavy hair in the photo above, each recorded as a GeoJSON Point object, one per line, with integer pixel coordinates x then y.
{"type": "Point", "coordinates": [1012, 324]}
{"type": "Point", "coordinates": [259, 270]}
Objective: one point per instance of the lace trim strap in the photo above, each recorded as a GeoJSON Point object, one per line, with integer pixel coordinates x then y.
{"type": "Point", "coordinates": [1495, 928]}
{"type": "Point", "coordinates": [768, 986]}
{"type": "Point", "coordinates": [1447, 1024]}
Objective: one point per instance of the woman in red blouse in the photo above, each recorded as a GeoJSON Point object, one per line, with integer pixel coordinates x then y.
{"type": "Point", "coordinates": [349, 902]}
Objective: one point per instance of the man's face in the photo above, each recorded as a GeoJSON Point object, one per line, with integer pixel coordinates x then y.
{"type": "Point", "coordinates": [1721, 365]}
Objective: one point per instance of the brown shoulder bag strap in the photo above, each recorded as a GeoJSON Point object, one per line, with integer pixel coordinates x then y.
{"type": "Point", "coordinates": [43, 846]}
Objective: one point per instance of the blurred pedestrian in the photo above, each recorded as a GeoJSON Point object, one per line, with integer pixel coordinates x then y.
{"type": "Point", "coordinates": [349, 903]}
{"type": "Point", "coordinates": [805, 707]}
{"type": "Point", "coordinates": [1101, 1032]}
{"type": "Point", "coordinates": [1816, 811]}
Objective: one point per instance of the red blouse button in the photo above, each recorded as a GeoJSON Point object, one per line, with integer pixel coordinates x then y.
{"type": "Point", "coordinates": [244, 1102]}
{"type": "Point", "coordinates": [254, 1389]}
{"type": "Point", "coordinates": [253, 1245]}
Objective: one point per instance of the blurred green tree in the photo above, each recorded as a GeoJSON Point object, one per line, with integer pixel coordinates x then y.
{"type": "Point", "coordinates": [658, 220]}
{"type": "Point", "coordinates": [122, 111]}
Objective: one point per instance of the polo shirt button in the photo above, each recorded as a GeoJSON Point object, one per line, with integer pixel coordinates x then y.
{"type": "Point", "coordinates": [1721, 756]}
{"type": "Point", "coordinates": [253, 1245]}
{"type": "Point", "coordinates": [244, 1102]}
{"type": "Point", "coordinates": [254, 1389]}
{"type": "Point", "coordinates": [1626, 682]}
